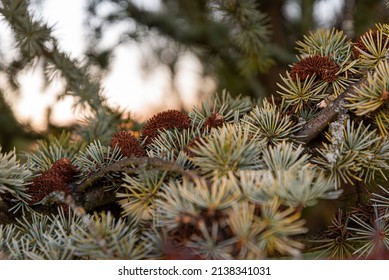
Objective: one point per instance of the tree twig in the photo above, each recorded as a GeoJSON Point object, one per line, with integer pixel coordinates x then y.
{"type": "Point", "coordinates": [316, 125]}
{"type": "Point", "coordinates": [134, 165]}
{"type": "Point", "coordinates": [91, 198]}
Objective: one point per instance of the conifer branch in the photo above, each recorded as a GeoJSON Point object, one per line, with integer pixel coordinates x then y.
{"type": "Point", "coordinates": [133, 166]}
{"type": "Point", "coordinates": [37, 41]}
{"type": "Point", "coordinates": [167, 25]}
{"type": "Point", "coordinates": [317, 124]}
{"type": "Point", "coordinates": [224, 181]}
{"type": "Point", "coordinates": [94, 197]}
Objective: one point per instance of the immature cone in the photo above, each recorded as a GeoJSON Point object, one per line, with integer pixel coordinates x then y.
{"type": "Point", "coordinates": [215, 120]}
{"type": "Point", "coordinates": [128, 144]}
{"type": "Point", "coordinates": [57, 178]}
{"type": "Point", "coordinates": [360, 46]}
{"type": "Point", "coordinates": [164, 120]}
{"type": "Point", "coordinates": [322, 66]}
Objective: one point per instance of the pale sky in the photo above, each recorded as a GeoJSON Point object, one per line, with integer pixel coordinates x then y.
{"type": "Point", "coordinates": [125, 86]}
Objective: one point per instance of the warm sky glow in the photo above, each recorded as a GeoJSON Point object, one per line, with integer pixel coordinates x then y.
{"type": "Point", "coordinates": [126, 86]}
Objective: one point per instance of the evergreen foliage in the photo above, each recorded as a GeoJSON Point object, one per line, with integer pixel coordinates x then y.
{"type": "Point", "coordinates": [13, 176]}
{"type": "Point", "coordinates": [231, 179]}
{"type": "Point", "coordinates": [230, 38]}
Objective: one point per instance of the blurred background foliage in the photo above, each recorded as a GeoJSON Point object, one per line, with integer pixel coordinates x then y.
{"type": "Point", "coordinates": [243, 45]}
